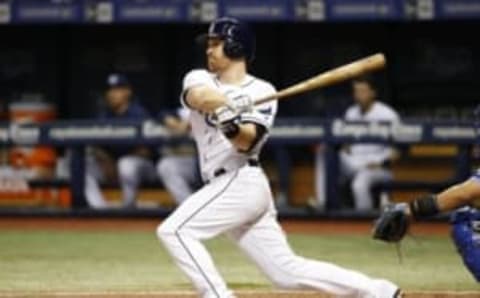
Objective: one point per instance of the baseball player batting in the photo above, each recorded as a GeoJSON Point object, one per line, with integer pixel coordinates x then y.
{"type": "Point", "coordinates": [229, 131]}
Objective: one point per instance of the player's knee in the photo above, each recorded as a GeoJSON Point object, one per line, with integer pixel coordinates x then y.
{"type": "Point", "coordinates": [165, 232]}
{"type": "Point", "coordinates": [360, 185]}
{"type": "Point", "coordinates": [165, 167]}
{"type": "Point", "coordinates": [127, 168]}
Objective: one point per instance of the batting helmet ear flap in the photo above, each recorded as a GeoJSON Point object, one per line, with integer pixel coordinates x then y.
{"type": "Point", "coordinates": [233, 49]}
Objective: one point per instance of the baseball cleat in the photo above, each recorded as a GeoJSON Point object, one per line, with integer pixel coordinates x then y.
{"type": "Point", "coordinates": [387, 289]}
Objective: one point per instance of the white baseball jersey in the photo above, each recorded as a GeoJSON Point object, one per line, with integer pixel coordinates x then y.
{"type": "Point", "coordinates": [379, 112]}
{"type": "Point", "coordinates": [214, 149]}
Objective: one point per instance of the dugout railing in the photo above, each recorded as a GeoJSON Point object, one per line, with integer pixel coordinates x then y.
{"type": "Point", "coordinates": [287, 133]}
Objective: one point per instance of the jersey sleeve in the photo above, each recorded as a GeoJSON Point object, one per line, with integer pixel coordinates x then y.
{"type": "Point", "coordinates": [183, 113]}
{"type": "Point", "coordinates": [350, 113]}
{"type": "Point", "coordinates": [476, 176]}
{"type": "Point", "coordinates": [387, 113]}
{"type": "Point", "coordinates": [194, 78]}
{"type": "Point", "coordinates": [263, 114]}
{"type": "Point", "coordinates": [394, 117]}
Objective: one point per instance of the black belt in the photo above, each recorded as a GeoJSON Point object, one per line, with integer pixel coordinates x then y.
{"type": "Point", "coordinates": [220, 171]}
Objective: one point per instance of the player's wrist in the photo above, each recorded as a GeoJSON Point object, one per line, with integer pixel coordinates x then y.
{"type": "Point", "coordinates": [231, 128]}
{"type": "Point", "coordinates": [228, 121]}
{"type": "Point", "coordinates": [425, 206]}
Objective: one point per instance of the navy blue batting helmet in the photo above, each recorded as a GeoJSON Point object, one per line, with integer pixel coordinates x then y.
{"type": "Point", "coordinates": [238, 37]}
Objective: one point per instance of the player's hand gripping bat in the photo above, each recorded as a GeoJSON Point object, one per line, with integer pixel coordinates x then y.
{"type": "Point", "coordinates": [330, 77]}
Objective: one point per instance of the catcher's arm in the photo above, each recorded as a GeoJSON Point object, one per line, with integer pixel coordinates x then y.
{"type": "Point", "coordinates": [394, 221]}
{"type": "Point", "coordinates": [454, 197]}
{"type": "Point", "coordinates": [459, 195]}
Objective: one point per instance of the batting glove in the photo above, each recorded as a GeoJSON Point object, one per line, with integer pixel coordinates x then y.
{"type": "Point", "coordinates": [239, 101]}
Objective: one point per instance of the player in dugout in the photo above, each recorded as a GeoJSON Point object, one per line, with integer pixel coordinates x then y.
{"type": "Point", "coordinates": [178, 166]}
{"type": "Point", "coordinates": [131, 163]}
{"type": "Point", "coordinates": [362, 164]}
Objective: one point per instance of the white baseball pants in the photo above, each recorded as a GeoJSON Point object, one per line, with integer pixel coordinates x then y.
{"type": "Point", "coordinates": [240, 204]}
{"type": "Point", "coordinates": [132, 170]}
{"type": "Point", "coordinates": [179, 174]}
{"type": "Point", "coordinates": [355, 169]}
{"type": "Point", "coordinates": [93, 176]}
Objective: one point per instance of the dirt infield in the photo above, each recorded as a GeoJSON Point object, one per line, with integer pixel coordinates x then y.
{"type": "Point", "coordinates": [291, 226]}
{"type": "Point", "coordinates": [243, 294]}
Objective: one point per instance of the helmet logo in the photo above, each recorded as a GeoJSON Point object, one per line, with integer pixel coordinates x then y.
{"type": "Point", "coordinates": [230, 31]}
{"type": "Point", "coordinates": [211, 29]}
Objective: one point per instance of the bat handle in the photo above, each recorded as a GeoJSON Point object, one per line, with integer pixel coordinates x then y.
{"type": "Point", "coordinates": [262, 100]}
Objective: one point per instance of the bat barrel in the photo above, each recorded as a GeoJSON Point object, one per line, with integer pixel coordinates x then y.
{"type": "Point", "coordinates": [331, 77]}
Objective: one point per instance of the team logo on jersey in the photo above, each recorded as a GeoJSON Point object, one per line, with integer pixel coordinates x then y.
{"type": "Point", "coordinates": [267, 111]}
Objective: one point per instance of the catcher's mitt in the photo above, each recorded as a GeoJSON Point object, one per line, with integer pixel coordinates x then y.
{"type": "Point", "coordinates": [393, 223]}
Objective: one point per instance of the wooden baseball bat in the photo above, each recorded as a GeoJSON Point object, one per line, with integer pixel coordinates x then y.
{"type": "Point", "coordinates": [330, 77]}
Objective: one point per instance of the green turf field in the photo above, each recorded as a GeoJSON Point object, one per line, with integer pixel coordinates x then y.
{"type": "Point", "coordinates": [102, 261]}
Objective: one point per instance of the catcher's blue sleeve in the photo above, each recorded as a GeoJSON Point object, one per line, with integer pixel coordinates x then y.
{"type": "Point", "coordinates": [466, 235]}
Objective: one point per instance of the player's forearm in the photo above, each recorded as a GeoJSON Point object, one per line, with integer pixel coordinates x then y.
{"type": "Point", "coordinates": [386, 157]}
{"type": "Point", "coordinates": [452, 198]}
{"type": "Point", "coordinates": [142, 152]}
{"type": "Point", "coordinates": [102, 155]}
{"type": "Point", "coordinates": [176, 126]}
{"type": "Point", "coordinates": [394, 155]}
{"type": "Point", "coordinates": [458, 195]}
{"type": "Point", "coordinates": [205, 99]}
